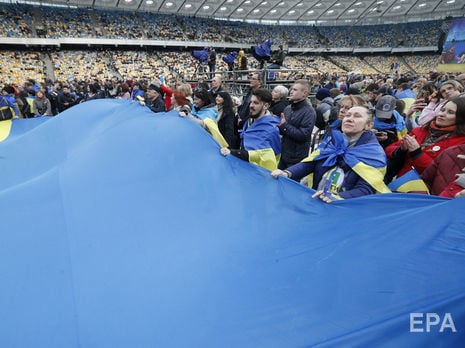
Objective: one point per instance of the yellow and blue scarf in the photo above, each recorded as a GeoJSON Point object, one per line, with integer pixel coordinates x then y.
{"type": "Point", "coordinates": [367, 160]}
{"type": "Point", "coordinates": [400, 126]}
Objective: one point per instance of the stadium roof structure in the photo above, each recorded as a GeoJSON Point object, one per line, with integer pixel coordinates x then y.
{"type": "Point", "coordinates": [317, 12]}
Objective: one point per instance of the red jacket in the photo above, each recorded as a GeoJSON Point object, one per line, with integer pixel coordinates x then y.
{"type": "Point", "coordinates": [441, 173]}
{"type": "Point", "coordinates": [425, 156]}
{"type": "Point", "coordinates": [168, 93]}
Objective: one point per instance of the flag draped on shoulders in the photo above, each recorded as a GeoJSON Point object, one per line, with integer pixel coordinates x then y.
{"type": "Point", "coordinates": [400, 126]}
{"type": "Point", "coordinates": [261, 140]}
{"type": "Point", "coordinates": [367, 160]}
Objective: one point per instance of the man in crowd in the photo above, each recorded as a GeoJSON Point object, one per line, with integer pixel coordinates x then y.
{"type": "Point", "coordinates": [217, 86]}
{"type": "Point", "coordinates": [255, 83]}
{"type": "Point", "coordinates": [296, 126]}
{"type": "Point", "coordinates": [65, 99]}
{"type": "Point", "coordinates": [154, 99]}
{"type": "Point", "coordinates": [211, 61]}
{"type": "Point", "coordinates": [260, 143]}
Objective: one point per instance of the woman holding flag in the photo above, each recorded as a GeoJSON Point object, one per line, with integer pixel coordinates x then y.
{"type": "Point", "coordinates": [348, 163]}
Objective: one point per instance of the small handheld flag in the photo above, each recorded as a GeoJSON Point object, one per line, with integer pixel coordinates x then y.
{"type": "Point", "coordinates": [410, 182]}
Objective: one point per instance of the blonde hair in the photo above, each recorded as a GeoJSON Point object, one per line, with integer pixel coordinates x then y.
{"type": "Point", "coordinates": [186, 89]}
{"type": "Point", "coordinates": [457, 85]}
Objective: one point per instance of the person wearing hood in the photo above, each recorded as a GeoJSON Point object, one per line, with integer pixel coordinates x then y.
{"type": "Point", "coordinates": [324, 106]}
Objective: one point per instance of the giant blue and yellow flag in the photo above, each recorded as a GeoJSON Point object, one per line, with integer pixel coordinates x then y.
{"type": "Point", "coordinates": [124, 228]}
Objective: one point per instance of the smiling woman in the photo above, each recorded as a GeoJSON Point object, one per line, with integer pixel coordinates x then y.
{"type": "Point", "coordinates": [424, 144]}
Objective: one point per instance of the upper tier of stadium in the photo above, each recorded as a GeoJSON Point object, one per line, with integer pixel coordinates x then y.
{"type": "Point", "coordinates": [26, 24]}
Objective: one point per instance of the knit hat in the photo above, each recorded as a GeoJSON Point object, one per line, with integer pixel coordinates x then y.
{"type": "Point", "coordinates": [322, 93]}
{"type": "Point", "coordinates": [385, 106]}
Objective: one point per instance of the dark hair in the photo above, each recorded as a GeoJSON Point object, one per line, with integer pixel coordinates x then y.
{"type": "Point", "coordinates": [228, 104]}
{"type": "Point", "coordinates": [404, 86]}
{"type": "Point", "coordinates": [459, 114]}
{"type": "Point", "coordinates": [259, 78]}
{"type": "Point", "coordinates": [263, 95]}
{"type": "Point", "coordinates": [124, 87]}
{"type": "Point", "coordinates": [8, 89]}
{"type": "Point", "coordinates": [400, 106]}
{"type": "Point", "coordinates": [204, 96]}
{"type": "Point", "coordinates": [94, 87]}
{"type": "Point", "coordinates": [425, 91]}
{"type": "Point", "coordinates": [372, 87]}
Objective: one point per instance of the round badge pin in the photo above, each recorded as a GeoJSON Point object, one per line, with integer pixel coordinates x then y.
{"type": "Point", "coordinates": [436, 148]}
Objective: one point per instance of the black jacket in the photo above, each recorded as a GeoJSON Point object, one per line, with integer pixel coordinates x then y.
{"type": "Point", "coordinates": [226, 127]}
{"type": "Point", "coordinates": [297, 132]}
{"type": "Point", "coordinates": [277, 108]}
{"type": "Point", "coordinates": [157, 104]}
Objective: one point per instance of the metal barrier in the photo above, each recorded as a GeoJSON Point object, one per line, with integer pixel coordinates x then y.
{"type": "Point", "coordinates": [237, 81]}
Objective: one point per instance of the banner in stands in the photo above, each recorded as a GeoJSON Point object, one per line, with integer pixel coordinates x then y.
{"type": "Point", "coordinates": [453, 52]}
{"type": "Point", "coordinates": [125, 228]}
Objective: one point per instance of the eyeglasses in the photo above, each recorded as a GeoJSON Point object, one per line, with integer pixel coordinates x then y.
{"type": "Point", "coordinates": [254, 78]}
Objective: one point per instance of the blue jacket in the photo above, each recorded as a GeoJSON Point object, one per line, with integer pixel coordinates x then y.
{"type": "Point", "coordinates": [407, 93]}
{"type": "Point", "coordinates": [138, 93]}
{"type": "Point", "coordinates": [9, 100]}
{"type": "Point", "coordinates": [206, 112]}
{"type": "Point", "coordinates": [352, 186]}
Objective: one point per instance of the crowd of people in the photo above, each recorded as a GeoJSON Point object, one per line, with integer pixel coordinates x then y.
{"type": "Point", "coordinates": [56, 22]}
{"type": "Point", "coordinates": [345, 125]}
{"type": "Point", "coordinates": [356, 135]}
{"type": "Point", "coordinates": [64, 64]}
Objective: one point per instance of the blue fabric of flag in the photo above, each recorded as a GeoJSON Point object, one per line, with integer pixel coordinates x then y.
{"type": "Point", "coordinates": [125, 228]}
